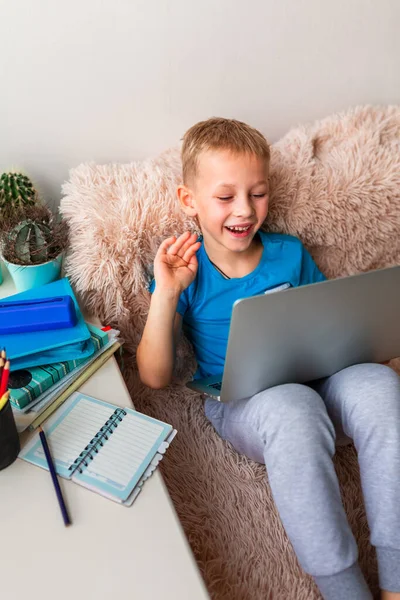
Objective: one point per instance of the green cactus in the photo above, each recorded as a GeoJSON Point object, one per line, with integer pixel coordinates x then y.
{"type": "Point", "coordinates": [16, 190]}
{"type": "Point", "coordinates": [30, 240]}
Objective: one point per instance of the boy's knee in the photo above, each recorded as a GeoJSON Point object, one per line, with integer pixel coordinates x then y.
{"type": "Point", "coordinates": [292, 412]}
{"type": "Point", "coordinates": [370, 372]}
{"type": "Point", "coordinates": [371, 401]}
{"type": "Point", "coordinates": [372, 388]}
{"type": "Point", "coordinates": [290, 401]}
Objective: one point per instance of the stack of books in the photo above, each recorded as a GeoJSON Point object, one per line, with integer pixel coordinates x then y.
{"type": "Point", "coordinates": [37, 389]}
{"type": "Point", "coordinates": [50, 360]}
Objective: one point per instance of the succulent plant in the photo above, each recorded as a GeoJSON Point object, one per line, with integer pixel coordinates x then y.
{"type": "Point", "coordinates": [31, 240]}
{"type": "Point", "coordinates": [32, 235]}
{"type": "Point", "coordinates": [16, 190]}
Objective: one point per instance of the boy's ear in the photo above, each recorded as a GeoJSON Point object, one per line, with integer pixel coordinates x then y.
{"type": "Point", "coordinates": [186, 200]}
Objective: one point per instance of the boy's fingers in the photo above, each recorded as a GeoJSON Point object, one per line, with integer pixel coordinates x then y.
{"type": "Point", "coordinates": [174, 245]}
{"type": "Point", "coordinates": [191, 252]}
{"type": "Point", "coordinates": [177, 245]}
{"type": "Point", "coordinates": [192, 239]}
{"type": "Point", "coordinates": [193, 263]}
{"type": "Point", "coordinates": [165, 244]}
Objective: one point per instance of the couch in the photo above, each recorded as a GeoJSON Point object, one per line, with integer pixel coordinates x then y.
{"type": "Point", "coordinates": [335, 184]}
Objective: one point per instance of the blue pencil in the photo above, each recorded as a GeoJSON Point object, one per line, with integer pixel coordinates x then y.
{"type": "Point", "coordinates": [54, 478]}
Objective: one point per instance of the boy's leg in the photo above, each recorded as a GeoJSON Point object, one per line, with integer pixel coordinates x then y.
{"type": "Point", "coordinates": [365, 401]}
{"type": "Point", "coordinates": [288, 429]}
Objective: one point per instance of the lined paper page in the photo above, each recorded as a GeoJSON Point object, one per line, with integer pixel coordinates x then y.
{"type": "Point", "coordinates": [121, 461]}
{"type": "Point", "coordinates": [75, 431]}
{"type": "Point", "coordinates": [125, 451]}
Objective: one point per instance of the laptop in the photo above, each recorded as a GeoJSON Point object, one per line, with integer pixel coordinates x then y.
{"type": "Point", "coordinates": [301, 334]}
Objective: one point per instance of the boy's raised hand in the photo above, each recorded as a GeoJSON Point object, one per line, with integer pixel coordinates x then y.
{"type": "Point", "coordinates": [175, 264]}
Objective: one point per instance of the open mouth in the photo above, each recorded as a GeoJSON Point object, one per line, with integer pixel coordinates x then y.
{"type": "Point", "coordinates": [240, 232]}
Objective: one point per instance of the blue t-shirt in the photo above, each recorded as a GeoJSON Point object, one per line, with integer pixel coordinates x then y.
{"type": "Point", "coordinates": [206, 305]}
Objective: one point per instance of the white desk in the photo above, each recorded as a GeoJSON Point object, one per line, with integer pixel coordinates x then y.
{"type": "Point", "coordinates": [109, 551]}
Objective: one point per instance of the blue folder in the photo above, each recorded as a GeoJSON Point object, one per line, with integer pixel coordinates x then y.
{"type": "Point", "coordinates": [37, 348]}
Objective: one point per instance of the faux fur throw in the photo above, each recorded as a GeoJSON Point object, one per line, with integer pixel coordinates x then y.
{"type": "Point", "coordinates": [334, 184]}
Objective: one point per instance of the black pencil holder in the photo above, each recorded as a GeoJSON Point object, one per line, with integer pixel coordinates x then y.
{"type": "Point", "coordinates": [9, 439]}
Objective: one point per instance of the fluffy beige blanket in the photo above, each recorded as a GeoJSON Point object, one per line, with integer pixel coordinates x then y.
{"type": "Point", "coordinates": [336, 185]}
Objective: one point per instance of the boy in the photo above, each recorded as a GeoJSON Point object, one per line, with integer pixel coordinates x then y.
{"type": "Point", "coordinates": [291, 428]}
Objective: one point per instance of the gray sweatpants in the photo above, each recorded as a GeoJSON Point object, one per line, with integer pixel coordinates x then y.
{"type": "Point", "coordinates": [292, 429]}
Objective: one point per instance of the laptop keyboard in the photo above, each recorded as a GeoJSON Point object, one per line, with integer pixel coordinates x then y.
{"type": "Point", "coordinates": [216, 386]}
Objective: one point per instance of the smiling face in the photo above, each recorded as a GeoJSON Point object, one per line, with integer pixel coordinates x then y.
{"type": "Point", "coordinates": [229, 196]}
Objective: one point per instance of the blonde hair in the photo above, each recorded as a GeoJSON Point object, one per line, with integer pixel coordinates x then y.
{"type": "Point", "coordinates": [220, 134]}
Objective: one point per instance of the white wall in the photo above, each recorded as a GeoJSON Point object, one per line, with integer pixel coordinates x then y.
{"type": "Point", "coordinates": [117, 80]}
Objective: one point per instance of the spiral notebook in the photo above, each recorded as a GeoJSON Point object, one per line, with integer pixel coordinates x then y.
{"type": "Point", "coordinates": [110, 450]}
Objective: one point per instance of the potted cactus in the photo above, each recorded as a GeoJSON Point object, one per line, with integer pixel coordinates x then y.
{"type": "Point", "coordinates": [16, 191]}
{"type": "Point", "coordinates": [33, 241]}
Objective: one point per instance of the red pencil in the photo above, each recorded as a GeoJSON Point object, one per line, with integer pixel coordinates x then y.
{"type": "Point", "coordinates": [2, 362]}
{"type": "Point", "coordinates": [4, 378]}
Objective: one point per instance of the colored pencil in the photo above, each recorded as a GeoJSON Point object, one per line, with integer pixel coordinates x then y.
{"type": "Point", "coordinates": [3, 400]}
{"type": "Point", "coordinates": [3, 354]}
{"type": "Point", "coordinates": [4, 378]}
{"type": "Point", "coordinates": [2, 363]}
{"type": "Point", "coordinates": [53, 474]}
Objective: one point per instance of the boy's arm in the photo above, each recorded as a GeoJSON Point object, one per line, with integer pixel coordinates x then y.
{"type": "Point", "coordinates": [175, 268]}
{"type": "Point", "coordinates": [155, 355]}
